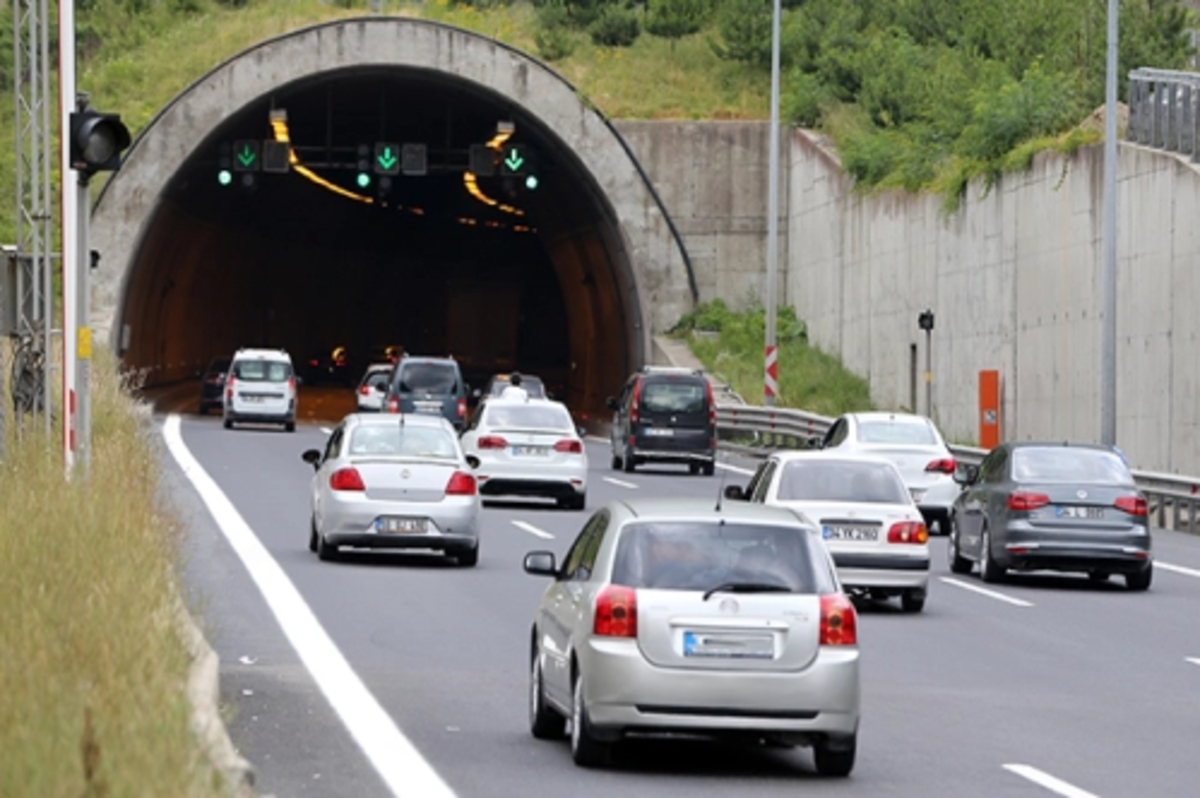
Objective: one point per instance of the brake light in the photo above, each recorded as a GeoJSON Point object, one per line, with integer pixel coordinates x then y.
{"type": "Point", "coordinates": [346, 479]}
{"type": "Point", "coordinates": [1134, 505]}
{"type": "Point", "coordinates": [569, 446]}
{"type": "Point", "coordinates": [712, 405]}
{"type": "Point", "coordinates": [1023, 500]}
{"type": "Point", "coordinates": [839, 621]}
{"type": "Point", "coordinates": [616, 612]}
{"type": "Point", "coordinates": [492, 442]}
{"type": "Point", "coordinates": [633, 407]}
{"type": "Point", "coordinates": [944, 466]}
{"type": "Point", "coordinates": [291, 383]}
{"type": "Point", "coordinates": [230, 384]}
{"type": "Point", "coordinates": [393, 404]}
{"type": "Point", "coordinates": [461, 484]}
{"type": "Point", "coordinates": [462, 408]}
{"type": "Point", "coordinates": [908, 532]}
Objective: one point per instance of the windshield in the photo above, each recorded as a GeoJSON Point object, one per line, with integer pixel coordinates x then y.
{"type": "Point", "coordinates": [378, 379]}
{"type": "Point", "coordinates": [841, 481]}
{"type": "Point", "coordinates": [405, 441]}
{"type": "Point", "coordinates": [677, 555]}
{"type": "Point", "coordinates": [682, 396]}
{"type": "Point", "coordinates": [547, 417]}
{"type": "Point", "coordinates": [262, 370]}
{"type": "Point", "coordinates": [428, 378]}
{"type": "Point", "coordinates": [1065, 464]}
{"type": "Point", "coordinates": [896, 432]}
{"type": "Point", "coordinates": [532, 385]}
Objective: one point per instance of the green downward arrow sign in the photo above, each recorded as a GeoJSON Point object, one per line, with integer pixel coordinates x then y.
{"type": "Point", "coordinates": [514, 161]}
{"type": "Point", "coordinates": [387, 159]}
{"type": "Point", "coordinates": [247, 156]}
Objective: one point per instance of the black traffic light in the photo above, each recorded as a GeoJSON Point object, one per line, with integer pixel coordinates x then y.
{"type": "Point", "coordinates": [414, 159]}
{"type": "Point", "coordinates": [225, 164]}
{"type": "Point", "coordinates": [482, 162]}
{"type": "Point", "coordinates": [363, 178]}
{"type": "Point", "coordinates": [97, 141]}
{"type": "Point", "coordinates": [276, 156]}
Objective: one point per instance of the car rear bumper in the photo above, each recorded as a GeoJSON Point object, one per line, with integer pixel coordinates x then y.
{"type": "Point", "coordinates": [876, 570]}
{"type": "Point", "coordinates": [626, 693]}
{"type": "Point", "coordinates": [264, 417]}
{"type": "Point", "coordinates": [453, 520]}
{"type": "Point", "coordinates": [1066, 556]}
{"type": "Point", "coordinates": [413, 541]}
{"type": "Point", "coordinates": [540, 486]}
{"type": "Point", "coordinates": [703, 454]}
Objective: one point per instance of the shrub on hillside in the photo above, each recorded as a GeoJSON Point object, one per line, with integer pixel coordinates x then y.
{"type": "Point", "coordinates": [674, 19]}
{"type": "Point", "coordinates": [554, 38]}
{"type": "Point", "coordinates": [617, 26]}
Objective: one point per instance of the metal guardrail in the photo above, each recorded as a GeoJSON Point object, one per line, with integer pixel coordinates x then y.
{"type": "Point", "coordinates": [1164, 111]}
{"type": "Point", "coordinates": [757, 431]}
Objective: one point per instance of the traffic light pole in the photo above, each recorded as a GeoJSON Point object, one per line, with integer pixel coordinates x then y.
{"type": "Point", "coordinates": [70, 232]}
{"type": "Point", "coordinates": [83, 329]}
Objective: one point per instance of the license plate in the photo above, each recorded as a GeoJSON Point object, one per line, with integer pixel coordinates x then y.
{"type": "Point", "coordinates": [843, 532]}
{"type": "Point", "coordinates": [401, 526]}
{"type": "Point", "coordinates": [430, 409]}
{"type": "Point", "coordinates": [246, 397]}
{"type": "Point", "coordinates": [660, 432]}
{"type": "Point", "coordinates": [1072, 511]}
{"type": "Point", "coordinates": [530, 451]}
{"type": "Point", "coordinates": [728, 646]}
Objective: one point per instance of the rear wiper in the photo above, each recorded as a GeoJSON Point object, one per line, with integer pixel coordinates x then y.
{"type": "Point", "coordinates": [748, 587]}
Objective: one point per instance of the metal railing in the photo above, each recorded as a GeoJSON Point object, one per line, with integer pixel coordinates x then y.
{"type": "Point", "coordinates": [757, 431]}
{"type": "Point", "coordinates": [1164, 110]}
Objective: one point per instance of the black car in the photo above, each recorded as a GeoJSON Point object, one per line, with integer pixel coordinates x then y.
{"type": "Point", "coordinates": [1051, 506]}
{"type": "Point", "coordinates": [212, 385]}
{"type": "Point", "coordinates": [665, 415]}
{"type": "Point", "coordinates": [432, 385]}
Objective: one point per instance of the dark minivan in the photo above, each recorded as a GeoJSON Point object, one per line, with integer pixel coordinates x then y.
{"type": "Point", "coordinates": [665, 415]}
{"type": "Point", "coordinates": [428, 385]}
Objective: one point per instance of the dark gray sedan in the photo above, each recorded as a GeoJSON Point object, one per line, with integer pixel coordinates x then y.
{"type": "Point", "coordinates": [1046, 506]}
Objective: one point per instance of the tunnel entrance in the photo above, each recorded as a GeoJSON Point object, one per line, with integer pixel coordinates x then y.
{"type": "Point", "coordinates": [565, 279]}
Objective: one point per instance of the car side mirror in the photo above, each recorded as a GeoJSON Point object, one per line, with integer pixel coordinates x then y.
{"type": "Point", "coordinates": [816, 442]}
{"type": "Point", "coordinates": [612, 404]}
{"type": "Point", "coordinates": [312, 457]}
{"type": "Point", "coordinates": [966, 474]}
{"type": "Point", "coordinates": [541, 563]}
{"type": "Point", "coordinates": [735, 493]}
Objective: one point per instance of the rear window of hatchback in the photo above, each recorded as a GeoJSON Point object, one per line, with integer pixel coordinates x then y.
{"type": "Point", "coordinates": [262, 370]}
{"type": "Point", "coordinates": [673, 395]}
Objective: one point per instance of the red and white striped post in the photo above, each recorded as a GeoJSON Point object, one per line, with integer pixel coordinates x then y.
{"type": "Point", "coordinates": [771, 375]}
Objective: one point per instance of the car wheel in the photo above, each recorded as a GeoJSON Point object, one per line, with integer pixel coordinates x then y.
{"type": "Point", "coordinates": [586, 750]}
{"type": "Point", "coordinates": [312, 534]}
{"type": "Point", "coordinates": [467, 558]}
{"type": "Point", "coordinates": [616, 463]}
{"type": "Point", "coordinates": [708, 469]}
{"type": "Point", "coordinates": [693, 468]}
{"type": "Point", "coordinates": [228, 423]}
{"type": "Point", "coordinates": [835, 761]}
{"type": "Point", "coordinates": [989, 570]}
{"type": "Point", "coordinates": [290, 426]}
{"type": "Point", "coordinates": [575, 502]}
{"type": "Point", "coordinates": [627, 464]}
{"type": "Point", "coordinates": [544, 722]}
{"type": "Point", "coordinates": [912, 600]}
{"type": "Point", "coordinates": [958, 563]}
{"type": "Point", "coordinates": [324, 550]}
{"type": "Point", "coordinates": [1140, 580]}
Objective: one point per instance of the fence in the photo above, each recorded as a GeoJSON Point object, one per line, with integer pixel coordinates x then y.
{"type": "Point", "coordinates": [1164, 111]}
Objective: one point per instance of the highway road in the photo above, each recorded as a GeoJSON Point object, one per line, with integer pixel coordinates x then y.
{"type": "Point", "coordinates": [1047, 685]}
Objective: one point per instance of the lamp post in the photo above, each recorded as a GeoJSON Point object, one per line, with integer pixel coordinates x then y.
{"type": "Point", "coordinates": [925, 322]}
{"type": "Point", "coordinates": [770, 358]}
{"type": "Point", "coordinates": [1108, 266]}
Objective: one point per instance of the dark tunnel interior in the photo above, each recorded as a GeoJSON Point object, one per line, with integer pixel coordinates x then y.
{"type": "Point", "coordinates": [510, 277]}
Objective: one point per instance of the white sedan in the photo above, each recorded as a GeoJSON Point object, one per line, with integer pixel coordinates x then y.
{"type": "Point", "coordinates": [527, 447]}
{"type": "Point", "coordinates": [866, 515]}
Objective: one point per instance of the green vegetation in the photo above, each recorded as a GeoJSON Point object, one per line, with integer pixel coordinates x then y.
{"type": "Point", "coordinates": [730, 345]}
{"type": "Point", "coordinates": [92, 667]}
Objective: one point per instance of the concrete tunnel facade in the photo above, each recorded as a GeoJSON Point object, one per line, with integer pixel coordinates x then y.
{"type": "Point", "coordinates": [191, 269]}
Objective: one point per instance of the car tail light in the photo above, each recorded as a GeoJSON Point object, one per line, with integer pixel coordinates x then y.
{"type": "Point", "coordinates": [908, 532]}
{"type": "Point", "coordinates": [492, 442]}
{"type": "Point", "coordinates": [393, 404]}
{"type": "Point", "coordinates": [346, 479]}
{"type": "Point", "coordinates": [462, 408]}
{"type": "Point", "coordinates": [364, 389]}
{"type": "Point", "coordinates": [712, 404]}
{"type": "Point", "coordinates": [1134, 505]}
{"type": "Point", "coordinates": [569, 446]}
{"type": "Point", "coordinates": [633, 407]}
{"type": "Point", "coordinates": [461, 484]}
{"type": "Point", "coordinates": [1024, 500]}
{"type": "Point", "coordinates": [616, 612]}
{"type": "Point", "coordinates": [946, 465]}
{"type": "Point", "coordinates": [839, 621]}
{"type": "Point", "coordinates": [314, 362]}
{"type": "Point", "coordinates": [632, 442]}
{"type": "Point", "coordinates": [230, 384]}
{"type": "Point", "coordinates": [291, 383]}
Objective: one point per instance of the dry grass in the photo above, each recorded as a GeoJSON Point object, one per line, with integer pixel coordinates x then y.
{"type": "Point", "coordinates": [92, 670]}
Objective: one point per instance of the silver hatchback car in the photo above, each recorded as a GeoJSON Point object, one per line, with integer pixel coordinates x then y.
{"type": "Point", "coordinates": [394, 482]}
{"type": "Point", "coordinates": [672, 616]}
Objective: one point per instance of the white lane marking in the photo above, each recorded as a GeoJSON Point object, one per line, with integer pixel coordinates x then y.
{"type": "Point", "coordinates": [983, 591]}
{"type": "Point", "coordinates": [1178, 569]}
{"type": "Point", "coordinates": [1043, 779]}
{"type": "Point", "coordinates": [1193, 660]}
{"type": "Point", "coordinates": [736, 469]}
{"type": "Point", "coordinates": [327, 430]}
{"type": "Point", "coordinates": [397, 761]}
{"type": "Point", "coordinates": [620, 483]}
{"type": "Point", "coordinates": [533, 530]}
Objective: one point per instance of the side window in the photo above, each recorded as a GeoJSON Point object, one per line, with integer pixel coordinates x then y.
{"type": "Point", "coordinates": [334, 447]}
{"type": "Point", "coordinates": [582, 556]}
{"type": "Point", "coordinates": [836, 434]}
{"type": "Point", "coordinates": [763, 481]}
{"type": "Point", "coordinates": [752, 485]}
{"type": "Point", "coordinates": [626, 394]}
{"type": "Point", "coordinates": [993, 467]}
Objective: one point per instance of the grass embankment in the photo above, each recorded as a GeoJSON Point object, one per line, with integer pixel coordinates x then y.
{"type": "Point", "coordinates": [730, 345]}
{"type": "Point", "coordinates": [92, 668]}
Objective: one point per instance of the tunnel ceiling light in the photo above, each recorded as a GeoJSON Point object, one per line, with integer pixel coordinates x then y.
{"type": "Point", "coordinates": [279, 128]}
{"type": "Point", "coordinates": [504, 131]}
{"type": "Point", "coordinates": [472, 186]}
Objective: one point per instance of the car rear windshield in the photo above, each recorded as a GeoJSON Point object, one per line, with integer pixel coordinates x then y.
{"type": "Point", "coordinates": [408, 441]}
{"type": "Point", "coordinates": [378, 379]}
{"type": "Point", "coordinates": [896, 432]}
{"type": "Point", "coordinates": [841, 481]}
{"type": "Point", "coordinates": [428, 378]}
{"type": "Point", "coordinates": [673, 395]}
{"type": "Point", "coordinates": [1064, 464]}
{"type": "Point", "coordinates": [678, 555]}
{"type": "Point", "coordinates": [534, 417]}
{"type": "Point", "coordinates": [262, 370]}
{"type": "Point", "coordinates": [532, 385]}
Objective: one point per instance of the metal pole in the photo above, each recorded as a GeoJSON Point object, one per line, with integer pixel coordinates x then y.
{"type": "Point", "coordinates": [69, 230]}
{"type": "Point", "coordinates": [47, 224]}
{"type": "Point", "coordinates": [770, 381]}
{"type": "Point", "coordinates": [929, 373]}
{"type": "Point", "coordinates": [83, 340]}
{"type": "Point", "coordinates": [1108, 270]}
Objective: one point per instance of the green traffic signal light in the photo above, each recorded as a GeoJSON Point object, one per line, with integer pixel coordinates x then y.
{"type": "Point", "coordinates": [224, 177]}
{"type": "Point", "coordinates": [363, 180]}
{"type": "Point", "coordinates": [531, 182]}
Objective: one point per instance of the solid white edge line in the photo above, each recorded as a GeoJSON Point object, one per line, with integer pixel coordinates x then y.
{"type": "Point", "coordinates": [1193, 660]}
{"type": "Point", "coordinates": [399, 764]}
{"type": "Point", "coordinates": [1043, 779]}
{"type": "Point", "coordinates": [327, 430]}
{"type": "Point", "coordinates": [533, 530]}
{"type": "Point", "coordinates": [983, 591]}
{"type": "Point", "coordinates": [1178, 569]}
{"type": "Point", "coordinates": [736, 469]}
{"type": "Point", "coordinates": [620, 483]}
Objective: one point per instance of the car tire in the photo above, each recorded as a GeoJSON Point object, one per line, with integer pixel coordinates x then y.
{"type": "Point", "coordinates": [912, 600]}
{"type": "Point", "coordinates": [544, 722]}
{"type": "Point", "coordinates": [586, 750]}
{"type": "Point", "coordinates": [290, 426]}
{"type": "Point", "coordinates": [693, 468]}
{"type": "Point", "coordinates": [1140, 580]}
{"type": "Point", "coordinates": [312, 534]}
{"type": "Point", "coordinates": [835, 762]}
{"type": "Point", "coordinates": [228, 423]}
{"type": "Point", "coordinates": [989, 570]}
{"type": "Point", "coordinates": [325, 551]}
{"type": "Point", "coordinates": [576, 502]}
{"type": "Point", "coordinates": [708, 469]}
{"type": "Point", "coordinates": [627, 464]}
{"type": "Point", "coordinates": [958, 563]}
{"type": "Point", "coordinates": [467, 558]}
{"type": "Point", "coordinates": [616, 463]}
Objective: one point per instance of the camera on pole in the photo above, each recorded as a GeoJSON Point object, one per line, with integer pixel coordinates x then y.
{"type": "Point", "coordinates": [97, 140]}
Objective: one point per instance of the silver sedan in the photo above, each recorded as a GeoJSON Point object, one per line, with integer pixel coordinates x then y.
{"type": "Point", "coordinates": [394, 482]}
{"type": "Point", "coordinates": [672, 616]}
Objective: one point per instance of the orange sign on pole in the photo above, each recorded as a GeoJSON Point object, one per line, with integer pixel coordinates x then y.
{"type": "Point", "coordinates": [989, 409]}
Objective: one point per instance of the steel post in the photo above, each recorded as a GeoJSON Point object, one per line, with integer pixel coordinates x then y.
{"type": "Point", "coordinates": [1108, 271]}
{"type": "Point", "coordinates": [772, 211]}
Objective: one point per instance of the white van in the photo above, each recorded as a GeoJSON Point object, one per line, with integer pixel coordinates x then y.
{"type": "Point", "coordinates": [261, 387]}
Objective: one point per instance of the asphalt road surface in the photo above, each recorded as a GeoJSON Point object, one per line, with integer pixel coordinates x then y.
{"type": "Point", "coordinates": [1046, 685]}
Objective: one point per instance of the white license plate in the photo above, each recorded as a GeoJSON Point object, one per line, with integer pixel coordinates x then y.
{"type": "Point", "coordinates": [530, 451]}
{"type": "Point", "coordinates": [843, 532]}
{"type": "Point", "coordinates": [1071, 511]}
{"type": "Point", "coordinates": [660, 432]}
{"type": "Point", "coordinates": [401, 526]}
{"type": "Point", "coordinates": [432, 410]}
{"type": "Point", "coordinates": [728, 645]}
{"type": "Point", "coordinates": [252, 398]}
